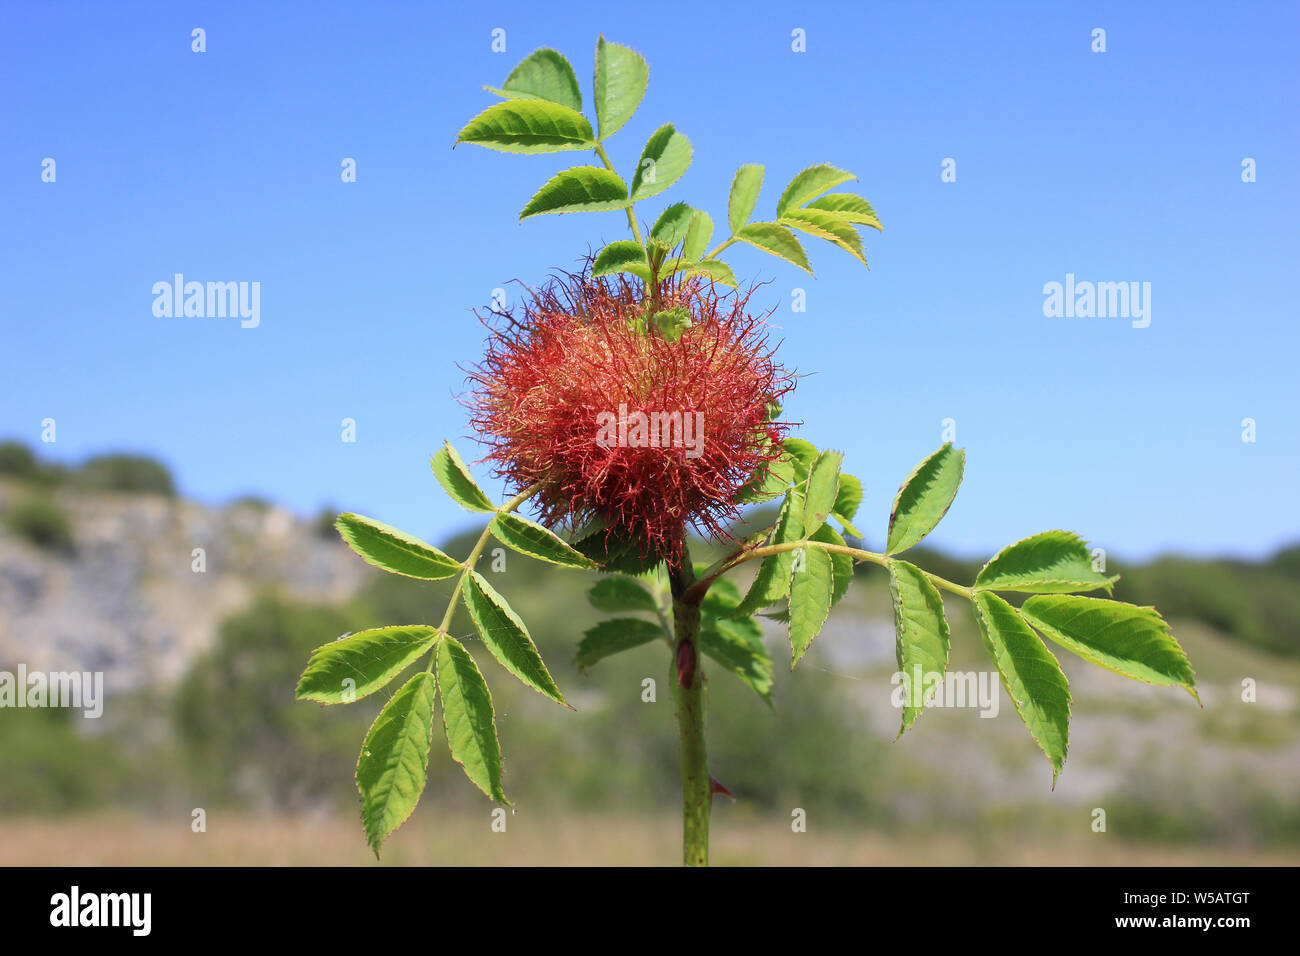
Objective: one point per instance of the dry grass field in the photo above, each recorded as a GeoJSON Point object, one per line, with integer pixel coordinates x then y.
{"type": "Point", "coordinates": [537, 840]}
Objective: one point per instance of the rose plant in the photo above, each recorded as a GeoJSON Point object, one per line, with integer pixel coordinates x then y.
{"type": "Point", "coordinates": [639, 400]}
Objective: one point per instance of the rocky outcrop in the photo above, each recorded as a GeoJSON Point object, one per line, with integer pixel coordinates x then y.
{"type": "Point", "coordinates": [150, 580]}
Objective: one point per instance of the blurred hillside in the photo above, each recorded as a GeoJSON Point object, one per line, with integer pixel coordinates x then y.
{"type": "Point", "coordinates": [97, 572]}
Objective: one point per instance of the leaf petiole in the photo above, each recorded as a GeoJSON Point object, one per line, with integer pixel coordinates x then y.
{"type": "Point", "coordinates": [474, 555]}
{"type": "Point", "coordinates": [696, 592]}
{"type": "Point", "coordinates": [631, 203]}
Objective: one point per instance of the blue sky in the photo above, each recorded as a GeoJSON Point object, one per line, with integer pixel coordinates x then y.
{"type": "Point", "coordinates": [1116, 166]}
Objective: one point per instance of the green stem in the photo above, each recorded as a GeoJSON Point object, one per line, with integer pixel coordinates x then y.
{"type": "Point", "coordinates": [700, 587]}
{"type": "Point", "coordinates": [631, 215]}
{"type": "Point", "coordinates": [468, 564]}
{"type": "Point", "coordinates": [697, 795]}
{"type": "Point", "coordinates": [720, 247]}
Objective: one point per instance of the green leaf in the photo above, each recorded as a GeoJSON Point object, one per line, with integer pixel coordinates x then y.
{"type": "Point", "coordinates": [656, 252]}
{"type": "Point", "coordinates": [453, 474]}
{"type": "Point", "coordinates": [580, 189]}
{"type": "Point", "coordinates": [615, 635]}
{"type": "Point", "coordinates": [828, 226]}
{"type": "Point", "coordinates": [849, 529]}
{"type": "Point", "coordinates": [1053, 562]}
{"type": "Point", "coordinates": [735, 649]}
{"type": "Point", "coordinates": [745, 188]}
{"type": "Point", "coordinates": [544, 75]}
{"type": "Point", "coordinates": [671, 226]}
{"type": "Point", "coordinates": [666, 157]}
{"type": "Point", "coordinates": [772, 582]}
{"type": "Point", "coordinates": [616, 256]}
{"type": "Point", "coordinates": [615, 551]}
{"type": "Point", "coordinates": [847, 502]}
{"type": "Point", "coordinates": [850, 207]}
{"type": "Point", "coordinates": [1129, 640]}
{"type": "Point", "coordinates": [777, 240]}
{"type": "Point", "coordinates": [698, 235]}
{"type": "Point", "coordinates": [715, 269]}
{"type": "Point", "coordinates": [503, 633]}
{"type": "Point", "coordinates": [671, 323]}
{"type": "Point", "coordinates": [395, 757]}
{"type": "Point", "coordinates": [638, 269]}
{"type": "Point", "coordinates": [803, 453]}
{"type": "Point", "coordinates": [528, 537]}
{"type": "Point", "coordinates": [528, 126]}
{"type": "Point", "coordinates": [922, 629]}
{"type": "Point", "coordinates": [616, 594]}
{"type": "Point", "coordinates": [849, 498]}
{"type": "Point", "coordinates": [768, 481]}
{"type": "Point", "coordinates": [811, 589]}
{"type": "Point", "coordinates": [467, 718]}
{"type": "Point", "coordinates": [924, 498]}
{"type": "Point", "coordinates": [809, 184]}
{"type": "Point", "coordinates": [722, 598]}
{"type": "Point", "coordinates": [369, 659]}
{"type": "Point", "coordinates": [1031, 675]}
{"type": "Point", "coordinates": [395, 551]}
{"type": "Point", "coordinates": [841, 564]}
{"type": "Point", "coordinates": [621, 79]}
{"type": "Point", "coordinates": [823, 488]}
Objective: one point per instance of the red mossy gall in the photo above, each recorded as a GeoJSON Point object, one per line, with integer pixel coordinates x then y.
{"type": "Point", "coordinates": [643, 424]}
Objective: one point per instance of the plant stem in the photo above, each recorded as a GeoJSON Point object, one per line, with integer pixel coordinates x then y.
{"type": "Point", "coordinates": [688, 694]}
{"type": "Point", "coordinates": [631, 215]}
{"type": "Point", "coordinates": [468, 564]}
{"type": "Point", "coordinates": [699, 588]}
{"type": "Point", "coordinates": [719, 247]}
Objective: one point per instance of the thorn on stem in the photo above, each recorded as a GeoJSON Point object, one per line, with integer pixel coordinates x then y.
{"type": "Point", "coordinates": [686, 664]}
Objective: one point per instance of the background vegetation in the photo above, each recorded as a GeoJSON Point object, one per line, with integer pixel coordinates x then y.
{"type": "Point", "coordinates": [230, 738]}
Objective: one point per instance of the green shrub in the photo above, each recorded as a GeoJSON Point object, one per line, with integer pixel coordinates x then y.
{"type": "Point", "coordinates": [248, 741]}
{"type": "Point", "coordinates": [323, 524]}
{"type": "Point", "coordinates": [253, 502]}
{"type": "Point", "coordinates": [17, 460]}
{"type": "Point", "coordinates": [133, 473]}
{"type": "Point", "coordinates": [1256, 603]}
{"type": "Point", "coordinates": [41, 522]}
{"type": "Point", "coordinates": [50, 767]}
